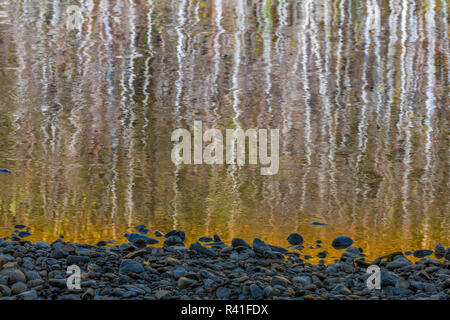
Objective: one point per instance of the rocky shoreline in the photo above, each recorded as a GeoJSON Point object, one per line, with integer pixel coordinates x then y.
{"type": "Point", "coordinates": [211, 269]}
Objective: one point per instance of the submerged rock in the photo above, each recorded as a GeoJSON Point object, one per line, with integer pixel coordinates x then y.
{"type": "Point", "coordinates": [295, 239]}
{"type": "Point", "coordinates": [205, 239]}
{"type": "Point", "coordinates": [342, 242]}
{"type": "Point", "coordinates": [422, 253]}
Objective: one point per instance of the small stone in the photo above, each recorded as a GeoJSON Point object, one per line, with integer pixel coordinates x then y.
{"type": "Point", "coordinates": [303, 280]}
{"type": "Point", "coordinates": [238, 242]}
{"type": "Point", "coordinates": [205, 239]}
{"type": "Point", "coordinates": [402, 283]}
{"type": "Point", "coordinates": [41, 245]}
{"type": "Point", "coordinates": [77, 260]}
{"type": "Point", "coordinates": [342, 242]}
{"type": "Point", "coordinates": [439, 251]}
{"type": "Point", "coordinates": [295, 239]}
{"type": "Point", "coordinates": [196, 246]}
{"type": "Point", "coordinates": [173, 240]}
{"type": "Point", "coordinates": [5, 291]}
{"type": "Point", "coordinates": [279, 280]}
{"type": "Point", "coordinates": [130, 266]}
{"type": "Point", "coordinates": [399, 262]}
{"type": "Point", "coordinates": [18, 288]}
{"type": "Point", "coordinates": [88, 294]}
{"type": "Point", "coordinates": [162, 294]}
{"type": "Point", "coordinates": [422, 253]}
{"type": "Point", "coordinates": [223, 293]}
{"type": "Point", "coordinates": [184, 283]}
{"type": "Point", "coordinates": [17, 276]}
{"type": "Point", "coordinates": [178, 233]}
{"type": "Point", "coordinates": [29, 295]}
{"type": "Point", "coordinates": [256, 291]}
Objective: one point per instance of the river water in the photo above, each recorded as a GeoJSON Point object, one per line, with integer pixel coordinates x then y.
{"type": "Point", "coordinates": [358, 90]}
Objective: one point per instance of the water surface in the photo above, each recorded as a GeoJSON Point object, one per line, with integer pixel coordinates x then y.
{"type": "Point", "coordinates": [358, 89]}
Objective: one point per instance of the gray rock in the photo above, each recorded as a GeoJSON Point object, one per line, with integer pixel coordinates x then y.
{"type": "Point", "coordinates": [279, 280]}
{"type": "Point", "coordinates": [162, 294]}
{"type": "Point", "coordinates": [184, 283]}
{"type": "Point", "coordinates": [17, 276]}
{"type": "Point", "coordinates": [402, 283]}
{"type": "Point", "coordinates": [178, 273]}
{"type": "Point", "coordinates": [59, 283]}
{"type": "Point", "coordinates": [400, 262]}
{"type": "Point", "coordinates": [439, 251]}
{"type": "Point", "coordinates": [172, 241]}
{"type": "Point", "coordinates": [69, 297]}
{"type": "Point", "coordinates": [5, 291]}
{"type": "Point", "coordinates": [130, 266]}
{"type": "Point", "coordinates": [388, 278]}
{"type": "Point", "coordinates": [447, 254]}
{"type": "Point", "coordinates": [196, 246]}
{"type": "Point", "coordinates": [136, 236]}
{"type": "Point", "coordinates": [256, 292]}
{"type": "Point", "coordinates": [303, 280]}
{"type": "Point", "coordinates": [41, 245]}
{"type": "Point", "coordinates": [342, 242]}
{"type": "Point", "coordinates": [351, 252]}
{"type": "Point", "coordinates": [29, 295]}
{"type": "Point", "coordinates": [223, 293]}
{"type": "Point", "coordinates": [18, 287]}
{"type": "Point", "coordinates": [178, 233]}
{"type": "Point", "coordinates": [77, 260]}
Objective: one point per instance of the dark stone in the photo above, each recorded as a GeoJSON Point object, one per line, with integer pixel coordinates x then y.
{"type": "Point", "coordinates": [196, 246]}
{"type": "Point", "coordinates": [158, 234]}
{"type": "Point", "coordinates": [238, 242]}
{"type": "Point", "coordinates": [205, 239]}
{"type": "Point", "coordinates": [295, 239]}
{"type": "Point", "coordinates": [172, 241]}
{"type": "Point", "coordinates": [178, 233]}
{"type": "Point", "coordinates": [135, 236]}
{"type": "Point", "coordinates": [439, 251]}
{"type": "Point", "coordinates": [130, 266]}
{"type": "Point", "coordinates": [319, 223]}
{"type": "Point", "coordinates": [422, 253]}
{"type": "Point", "coordinates": [24, 234]}
{"type": "Point", "coordinates": [256, 291]}
{"type": "Point", "coordinates": [20, 226]}
{"type": "Point", "coordinates": [217, 238]}
{"type": "Point", "coordinates": [342, 242]}
{"type": "Point", "coordinates": [223, 293]}
{"type": "Point", "coordinates": [77, 259]}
